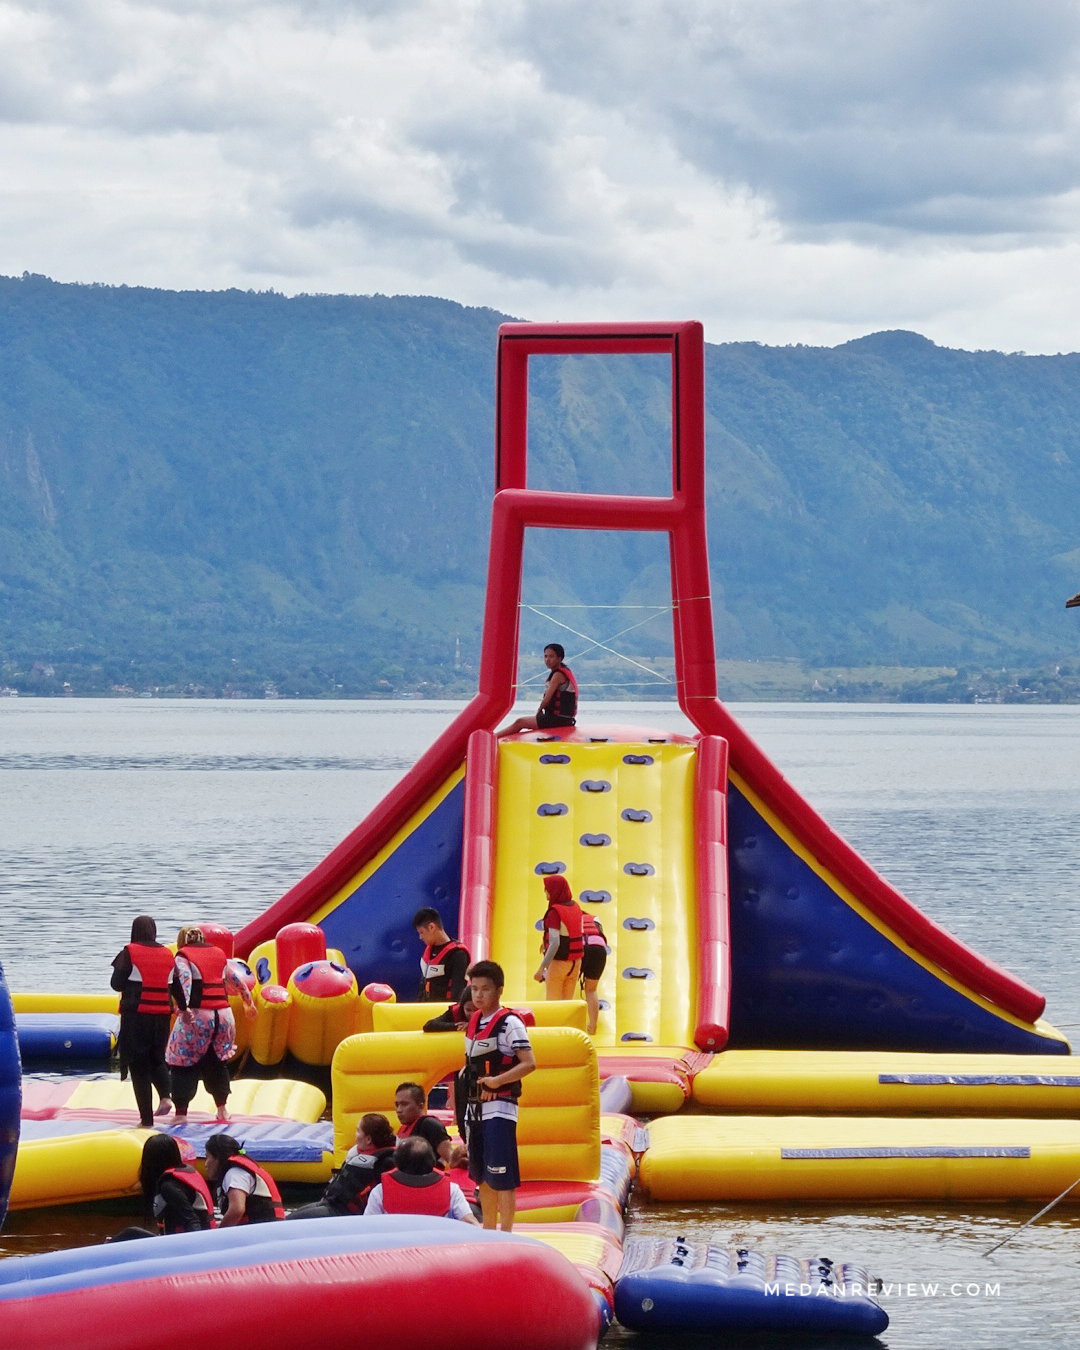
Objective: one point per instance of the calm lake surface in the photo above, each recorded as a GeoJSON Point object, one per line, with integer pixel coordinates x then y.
{"type": "Point", "coordinates": [194, 810]}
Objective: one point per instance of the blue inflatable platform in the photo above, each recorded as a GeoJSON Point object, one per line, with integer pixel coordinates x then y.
{"type": "Point", "coordinates": [67, 1035]}
{"type": "Point", "coordinates": [686, 1286]}
{"type": "Point", "coordinates": [10, 1095]}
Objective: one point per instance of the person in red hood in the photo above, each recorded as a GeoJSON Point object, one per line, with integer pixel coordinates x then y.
{"type": "Point", "coordinates": [564, 942]}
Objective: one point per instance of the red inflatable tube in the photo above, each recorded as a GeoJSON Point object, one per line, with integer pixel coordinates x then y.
{"type": "Point", "coordinates": [523, 1295]}
{"type": "Point", "coordinates": [478, 844]}
{"type": "Point", "coordinates": [714, 947]}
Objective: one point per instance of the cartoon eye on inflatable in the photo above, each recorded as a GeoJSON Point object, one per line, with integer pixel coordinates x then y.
{"type": "Point", "coordinates": [554, 759]}
{"type": "Point", "coordinates": [596, 840]}
{"type": "Point", "coordinates": [638, 759]}
{"type": "Point", "coordinates": [595, 897]}
{"type": "Point", "coordinates": [639, 817]}
{"type": "Point", "coordinates": [262, 970]}
{"type": "Point", "coordinates": [549, 869]}
{"type": "Point", "coordinates": [639, 870]}
{"type": "Point", "coordinates": [552, 809]}
{"type": "Point", "coordinates": [595, 785]}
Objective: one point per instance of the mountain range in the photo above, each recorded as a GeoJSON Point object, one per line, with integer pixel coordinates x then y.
{"type": "Point", "coordinates": [247, 492]}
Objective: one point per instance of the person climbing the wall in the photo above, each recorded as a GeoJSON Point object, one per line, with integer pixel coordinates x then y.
{"type": "Point", "coordinates": [593, 962]}
{"type": "Point", "coordinates": [558, 707]}
{"type": "Point", "coordinates": [563, 943]}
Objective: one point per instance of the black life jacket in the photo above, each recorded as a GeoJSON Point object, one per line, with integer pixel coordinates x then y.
{"type": "Point", "coordinates": [484, 1059]}
{"type": "Point", "coordinates": [358, 1176]}
{"type": "Point", "coordinates": [202, 1202]}
{"type": "Point", "coordinates": [436, 979]}
{"type": "Point", "coordinates": [564, 704]}
{"type": "Point", "coordinates": [403, 1193]}
{"type": "Point", "coordinates": [264, 1203]}
{"type": "Point", "coordinates": [152, 968]}
{"type": "Point", "coordinates": [208, 984]}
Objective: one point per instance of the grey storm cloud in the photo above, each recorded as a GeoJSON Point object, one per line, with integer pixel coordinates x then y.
{"type": "Point", "coordinates": [799, 167]}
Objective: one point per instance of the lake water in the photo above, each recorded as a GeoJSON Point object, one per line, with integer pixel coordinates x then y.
{"type": "Point", "coordinates": [212, 809]}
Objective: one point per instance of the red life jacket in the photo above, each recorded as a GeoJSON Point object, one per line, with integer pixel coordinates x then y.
{"type": "Point", "coordinates": [484, 1059]}
{"type": "Point", "coordinates": [591, 930]}
{"type": "Point", "coordinates": [564, 704]}
{"type": "Point", "coordinates": [433, 969]}
{"type": "Point", "coordinates": [405, 1194]}
{"type": "Point", "coordinates": [569, 923]}
{"type": "Point", "coordinates": [208, 963]}
{"type": "Point", "coordinates": [196, 1184]}
{"type": "Point", "coordinates": [266, 1194]}
{"type": "Point", "coordinates": [152, 967]}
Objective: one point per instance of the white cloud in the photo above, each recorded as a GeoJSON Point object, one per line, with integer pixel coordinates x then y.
{"type": "Point", "coordinates": [787, 170]}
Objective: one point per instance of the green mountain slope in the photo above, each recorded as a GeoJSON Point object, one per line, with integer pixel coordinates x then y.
{"type": "Point", "coordinates": [204, 489]}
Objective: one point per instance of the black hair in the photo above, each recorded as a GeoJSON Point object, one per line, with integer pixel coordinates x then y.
{"type": "Point", "coordinates": [414, 1157]}
{"type": "Point", "coordinates": [223, 1147]}
{"type": "Point", "coordinates": [415, 1091]}
{"type": "Point", "coordinates": [160, 1152]}
{"type": "Point", "coordinates": [378, 1129]}
{"type": "Point", "coordinates": [426, 915]}
{"type": "Point", "coordinates": [488, 970]}
{"type": "Point", "coordinates": [143, 929]}
{"type": "Point", "coordinates": [557, 648]}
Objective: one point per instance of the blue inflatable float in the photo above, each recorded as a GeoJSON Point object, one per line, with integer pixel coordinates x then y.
{"type": "Point", "coordinates": [685, 1286]}
{"type": "Point", "coordinates": [10, 1095]}
{"type": "Point", "coordinates": [315, 1284]}
{"type": "Point", "coordinates": [67, 1035]}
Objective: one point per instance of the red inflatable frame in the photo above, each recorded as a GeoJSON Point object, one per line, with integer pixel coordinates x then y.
{"type": "Point", "coordinates": [681, 516]}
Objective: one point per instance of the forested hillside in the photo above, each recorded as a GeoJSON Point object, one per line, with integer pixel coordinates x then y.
{"type": "Point", "coordinates": [213, 490]}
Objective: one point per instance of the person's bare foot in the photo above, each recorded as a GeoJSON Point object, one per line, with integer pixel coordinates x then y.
{"type": "Point", "coordinates": [164, 1106]}
{"type": "Point", "coordinates": [222, 1116]}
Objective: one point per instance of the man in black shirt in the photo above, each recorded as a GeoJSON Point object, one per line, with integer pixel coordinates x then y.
{"type": "Point", "coordinates": [444, 964]}
{"type": "Point", "coordinates": [409, 1104]}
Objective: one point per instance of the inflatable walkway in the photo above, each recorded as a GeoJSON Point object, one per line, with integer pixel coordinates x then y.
{"type": "Point", "coordinates": [735, 914]}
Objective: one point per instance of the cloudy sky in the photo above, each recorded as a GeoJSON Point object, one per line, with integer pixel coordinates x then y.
{"type": "Point", "coordinates": [787, 171]}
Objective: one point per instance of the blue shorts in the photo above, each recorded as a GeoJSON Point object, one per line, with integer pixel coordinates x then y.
{"type": "Point", "coordinates": [493, 1156]}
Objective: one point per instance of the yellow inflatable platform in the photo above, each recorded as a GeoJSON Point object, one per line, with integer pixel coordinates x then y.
{"type": "Point", "coordinates": [559, 1121]}
{"type": "Point", "coordinates": [412, 1016]}
{"type": "Point", "coordinates": [77, 1168]}
{"type": "Point", "coordinates": [865, 1159]}
{"type": "Point", "coordinates": [645, 872]}
{"type": "Point", "coordinates": [283, 1098]}
{"type": "Point", "coordinates": [880, 1083]}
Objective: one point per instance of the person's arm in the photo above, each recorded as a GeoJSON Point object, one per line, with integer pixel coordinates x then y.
{"type": "Point", "coordinates": [237, 985]}
{"type": "Point", "coordinates": [459, 1206]}
{"type": "Point", "coordinates": [457, 963]}
{"type": "Point", "coordinates": [180, 984]}
{"type": "Point", "coordinates": [178, 1207]}
{"type": "Point", "coordinates": [121, 971]}
{"type": "Point", "coordinates": [526, 1063]}
{"type": "Point", "coordinates": [554, 684]}
{"type": "Point", "coordinates": [554, 937]}
{"type": "Point", "coordinates": [444, 1022]}
{"type": "Point", "coordinates": [235, 1210]}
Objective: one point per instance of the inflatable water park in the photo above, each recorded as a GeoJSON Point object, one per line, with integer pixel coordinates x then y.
{"type": "Point", "coordinates": [775, 1022]}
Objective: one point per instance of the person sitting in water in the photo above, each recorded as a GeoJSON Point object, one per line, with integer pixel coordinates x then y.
{"type": "Point", "coordinates": [176, 1197]}
{"type": "Point", "coordinates": [249, 1194]}
{"type": "Point", "coordinates": [410, 1102]}
{"type": "Point", "coordinates": [445, 962]}
{"type": "Point", "coordinates": [416, 1186]}
{"type": "Point", "coordinates": [365, 1163]}
{"type": "Point", "coordinates": [558, 707]}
